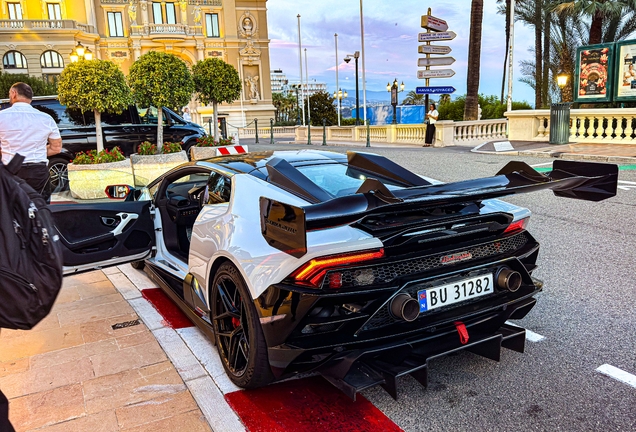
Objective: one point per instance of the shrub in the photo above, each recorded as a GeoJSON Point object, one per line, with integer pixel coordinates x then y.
{"type": "Point", "coordinates": [147, 148]}
{"type": "Point", "coordinates": [95, 157]}
{"type": "Point", "coordinates": [172, 147]}
{"type": "Point", "coordinates": [208, 141]}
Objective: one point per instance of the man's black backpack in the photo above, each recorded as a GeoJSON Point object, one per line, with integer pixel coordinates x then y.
{"type": "Point", "coordinates": [30, 255]}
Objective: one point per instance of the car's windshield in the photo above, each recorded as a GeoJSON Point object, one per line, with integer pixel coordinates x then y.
{"type": "Point", "coordinates": [338, 179]}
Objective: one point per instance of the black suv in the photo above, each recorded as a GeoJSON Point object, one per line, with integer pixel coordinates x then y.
{"type": "Point", "coordinates": [126, 130]}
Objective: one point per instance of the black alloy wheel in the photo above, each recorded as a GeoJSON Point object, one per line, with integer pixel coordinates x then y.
{"type": "Point", "coordinates": [239, 337]}
{"type": "Point", "coordinates": [58, 172]}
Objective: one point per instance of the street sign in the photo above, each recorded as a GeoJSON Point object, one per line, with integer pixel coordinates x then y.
{"type": "Point", "coordinates": [432, 23]}
{"type": "Point", "coordinates": [434, 49]}
{"type": "Point", "coordinates": [442, 36]}
{"type": "Point", "coordinates": [435, 61]}
{"type": "Point", "coordinates": [435, 73]}
{"type": "Point", "coordinates": [435, 90]}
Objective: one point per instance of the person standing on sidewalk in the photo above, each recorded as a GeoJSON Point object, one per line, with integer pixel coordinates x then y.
{"type": "Point", "coordinates": [186, 114]}
{"type": "Point", "coordinates": [31, 133]}
{"type": "Point", "coordinates": [431, 119]}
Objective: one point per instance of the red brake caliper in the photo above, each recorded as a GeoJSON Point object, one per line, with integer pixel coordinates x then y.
{"type": "Point", "coordinates": [236, 322]}
{"type": "Point", "coordinates": [462, 331]}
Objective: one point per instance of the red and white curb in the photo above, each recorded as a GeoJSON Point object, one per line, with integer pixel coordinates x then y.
{"type": "Point", "coordinates": [200, 381]}
{"type": "Point", "coordinates": [309, 404]}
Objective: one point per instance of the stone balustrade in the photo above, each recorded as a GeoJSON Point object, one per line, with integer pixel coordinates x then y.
{"type": "Point", "coordinates": [594, 126]}
{"type": "Point", "coordinates": [41, 25]}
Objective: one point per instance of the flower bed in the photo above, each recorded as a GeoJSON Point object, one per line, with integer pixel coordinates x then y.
{"type": "Point", "coordinates": [88, 181]}
{"type": "Point", "coordinates": [147, 165]}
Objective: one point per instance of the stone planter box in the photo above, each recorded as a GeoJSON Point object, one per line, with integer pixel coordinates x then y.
{"type": "Point", "coordinates": [147, 168]}
{"type": "Point", "coordinates": [89, 181]}
{"type": "Point", "coordinates": [198, 153]}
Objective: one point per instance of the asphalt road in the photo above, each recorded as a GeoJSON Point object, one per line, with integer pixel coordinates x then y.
{"type": "Point", "coordinates": [586, 314]}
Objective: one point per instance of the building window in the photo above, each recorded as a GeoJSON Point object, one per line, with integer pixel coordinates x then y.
{"type": "Point", "coordinates": [14, 60]}
{"type": "Point", "coordinates": [115, 24]}
{"type": "Point", "coordinates": [51, 78]}
{"type": "Point", "coordinates": [55, 13]}
{"type": "Point", "coordinates": [212, 25]}
{"type": "Point", "coordinates": [157, 13]}
{"type": "Point", "coordinates": [171, 15]}
{"type": "Point", "coordinates": [51, 59]}
{"type": "Point", "coordinates": [15, 11]}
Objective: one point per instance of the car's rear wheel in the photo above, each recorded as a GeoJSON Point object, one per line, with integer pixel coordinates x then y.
{"type": "Point", "coordinates": [238, 333]}
{"type": "Point", "coordinates": [58, 172]}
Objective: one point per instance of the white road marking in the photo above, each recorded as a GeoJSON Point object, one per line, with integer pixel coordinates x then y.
{"type": "Point", "coordinates": [627, 182]}
{"type": "Point", "coordinates": [618, 374]}
{"type": "Point", "coordinates": [541, 164]}
{"type": "Point", "coordinates": [628, 185]}
{"type": "Point", "coordinates": [530, 335]}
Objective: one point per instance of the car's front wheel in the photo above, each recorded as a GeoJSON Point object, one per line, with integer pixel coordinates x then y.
{"type": "Point", "coordinates": [238, 333]}
{"type": "Point", "coordinates": [58, 173]}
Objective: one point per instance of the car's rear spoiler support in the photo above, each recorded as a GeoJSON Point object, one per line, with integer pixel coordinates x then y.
{"type": "Point", "coordinates": [285, 226]}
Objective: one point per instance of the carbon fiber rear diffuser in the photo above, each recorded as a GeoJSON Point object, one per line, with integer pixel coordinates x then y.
{"type": "Point", "coordinates": [361, 371]}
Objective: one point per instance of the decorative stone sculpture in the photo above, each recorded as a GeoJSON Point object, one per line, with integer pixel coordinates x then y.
{"type": "Point", "coordinates": [252, 82]}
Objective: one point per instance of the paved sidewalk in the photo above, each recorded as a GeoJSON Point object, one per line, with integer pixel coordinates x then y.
{"type": "Point", "coordinates": [614, 153]}
{"type": "Point", "coordinates": [91, 365]}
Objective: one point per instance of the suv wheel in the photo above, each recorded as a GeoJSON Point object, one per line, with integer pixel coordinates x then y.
{"type": "Point", "coordinates": [58, 173]}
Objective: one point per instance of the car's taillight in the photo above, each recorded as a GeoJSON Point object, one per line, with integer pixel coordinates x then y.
{"type": "Point", "coordinates": [313, 272]}
{"type": "Point", "coordinates": [519, 225]}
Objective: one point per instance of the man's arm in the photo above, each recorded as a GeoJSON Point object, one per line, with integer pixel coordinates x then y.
{"type": "Point", "coordinates": [54, 146]}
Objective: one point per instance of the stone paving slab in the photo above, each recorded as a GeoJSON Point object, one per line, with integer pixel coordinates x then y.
{"type": "Point", "coordinates": [74, 372]}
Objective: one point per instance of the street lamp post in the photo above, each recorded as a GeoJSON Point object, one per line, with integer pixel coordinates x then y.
{"type": "Point", "coordinates": [394, 96]}
{"type": "Point", "coordinates": [339, 95]}
{"type": "Point", "coordinates": [336, 38]}
{"type": "Point", "coordinates": [81, 52]}
{"type": "Point", "coordinates": [296, 87]}
{"type": "Point", "coordinates": [347, 59]}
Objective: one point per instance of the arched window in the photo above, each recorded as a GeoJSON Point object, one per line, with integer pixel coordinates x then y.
{"type": "Point", "coordinates": [51, 59]}
{"type": "Point", "coordinates": [14, 60]}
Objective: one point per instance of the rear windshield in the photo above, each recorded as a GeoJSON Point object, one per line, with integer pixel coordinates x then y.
{"type": "Point", "coordinates": [340, 180]}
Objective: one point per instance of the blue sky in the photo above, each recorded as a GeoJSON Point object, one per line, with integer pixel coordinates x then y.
{"type": "Point", "coordinates": [391, 29]}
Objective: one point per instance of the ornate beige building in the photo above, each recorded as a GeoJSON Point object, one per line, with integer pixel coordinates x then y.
{"type": "Point", "coordinates": [38, 36]}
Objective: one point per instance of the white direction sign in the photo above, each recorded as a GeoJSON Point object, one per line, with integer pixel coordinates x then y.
{"type": "Point", "coordinates": [436, 61]}
{"type": "Point", "coordinates": [435, 73]}
{"type": "Point", "coordinates": [432, 23]}
{"type": "Point", "coordinates": [434, 49]}
{"type": "Point", "coordinates": [441, 36]}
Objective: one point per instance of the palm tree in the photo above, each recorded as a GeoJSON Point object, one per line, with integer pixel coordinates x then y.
{"type": "Point", "coordinates": [474, 57]}
{"type": "Point", "coordinates": [600, 12]}
{"type": "Point", "coordinates": [412, 98]}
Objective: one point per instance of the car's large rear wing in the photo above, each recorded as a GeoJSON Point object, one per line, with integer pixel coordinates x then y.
{"type": "Point", "coordinates": [285, 226]}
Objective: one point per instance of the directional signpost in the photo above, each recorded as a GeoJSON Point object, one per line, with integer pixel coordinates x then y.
{"type": "Point", "coordinates": [434, 49]}
{"type": "Point", "coordinates": [435, 73]}
{"type": "Point", "coordinates": [436, 61]}
{"type": "Point", "coordinates": [435, 90]}
{"type": "Point", "coordinates": [436, 30]}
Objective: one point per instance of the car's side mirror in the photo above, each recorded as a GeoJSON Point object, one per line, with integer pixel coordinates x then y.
{"type": "Point", "coordinates": [118, 191]}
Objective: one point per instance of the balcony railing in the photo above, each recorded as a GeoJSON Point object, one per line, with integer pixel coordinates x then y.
{"type": "Point", "coordinates": [205, 2]}
{"type": "Point", "coordinates": [46, 25]}
{"type": "Point", "coordinates": [166, 29]}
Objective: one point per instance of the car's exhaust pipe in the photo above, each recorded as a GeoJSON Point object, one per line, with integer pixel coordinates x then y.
{"type": "Point", "coordinates": [509, 279]}
{"type": "Point", "coordinates": [404, 307]}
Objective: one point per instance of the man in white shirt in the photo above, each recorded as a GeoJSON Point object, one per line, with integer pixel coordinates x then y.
{"type": "Point", "coordinates": [31, 133]}
{"type": "Point", "coordinates": [431, 118]}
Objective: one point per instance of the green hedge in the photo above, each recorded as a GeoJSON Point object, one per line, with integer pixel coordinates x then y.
{"type": "Point", "coordinates": [490, 108]}
{"type": "Point", "coordinates": [39, 85]}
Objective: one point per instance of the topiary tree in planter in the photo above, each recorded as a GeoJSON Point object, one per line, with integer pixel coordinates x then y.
{"type": "Point", "coordinates": [216, 82]}
{"type": "Point", "coordinates": [94, 85]}
{"type": "Point", "coordinates": [160, 79]}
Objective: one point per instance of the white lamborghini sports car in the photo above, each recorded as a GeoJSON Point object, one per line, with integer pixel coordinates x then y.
{"type": "Point", "coordinates": [349, 266]}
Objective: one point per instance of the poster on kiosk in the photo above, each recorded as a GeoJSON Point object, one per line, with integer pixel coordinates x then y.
{"type": "Point", "coordinates": [625, 67]}
{"type": "Point", "coordinates": [593, 77]}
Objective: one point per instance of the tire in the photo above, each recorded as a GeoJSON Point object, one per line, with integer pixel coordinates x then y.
{"type": "Point", "coordinates": [237, 329]}
{"type": "Point", "coordinates": [58, 173]}
{"type": "Point", "coordinates": [139, 265]}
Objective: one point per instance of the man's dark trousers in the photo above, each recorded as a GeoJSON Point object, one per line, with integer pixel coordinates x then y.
{"type": "Point", "coordinates": [5, 425]}
{"type": "Point", "coordinates": [37, 176]}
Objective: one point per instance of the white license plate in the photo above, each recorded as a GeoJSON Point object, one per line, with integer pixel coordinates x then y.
{"type": "Point", "coordinates": [455, 292]}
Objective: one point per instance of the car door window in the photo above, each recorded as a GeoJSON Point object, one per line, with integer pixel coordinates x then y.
{"type": "Point", "coordinates": [219, 189]}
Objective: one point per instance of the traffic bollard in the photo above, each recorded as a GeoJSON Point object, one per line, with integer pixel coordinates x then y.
{"type": "Point", "coordinates": [308, 134]}
{"type": "Point", "coordinates": [324, 132]}
{"type": "Point", "coordinates": [256, 129]}
{"type": "Point", "coordinates": [368, 135]}
{"type": "Point", "coordinates": [210, 126]}
{"type": "Point", "coordinates": [271, 131]}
